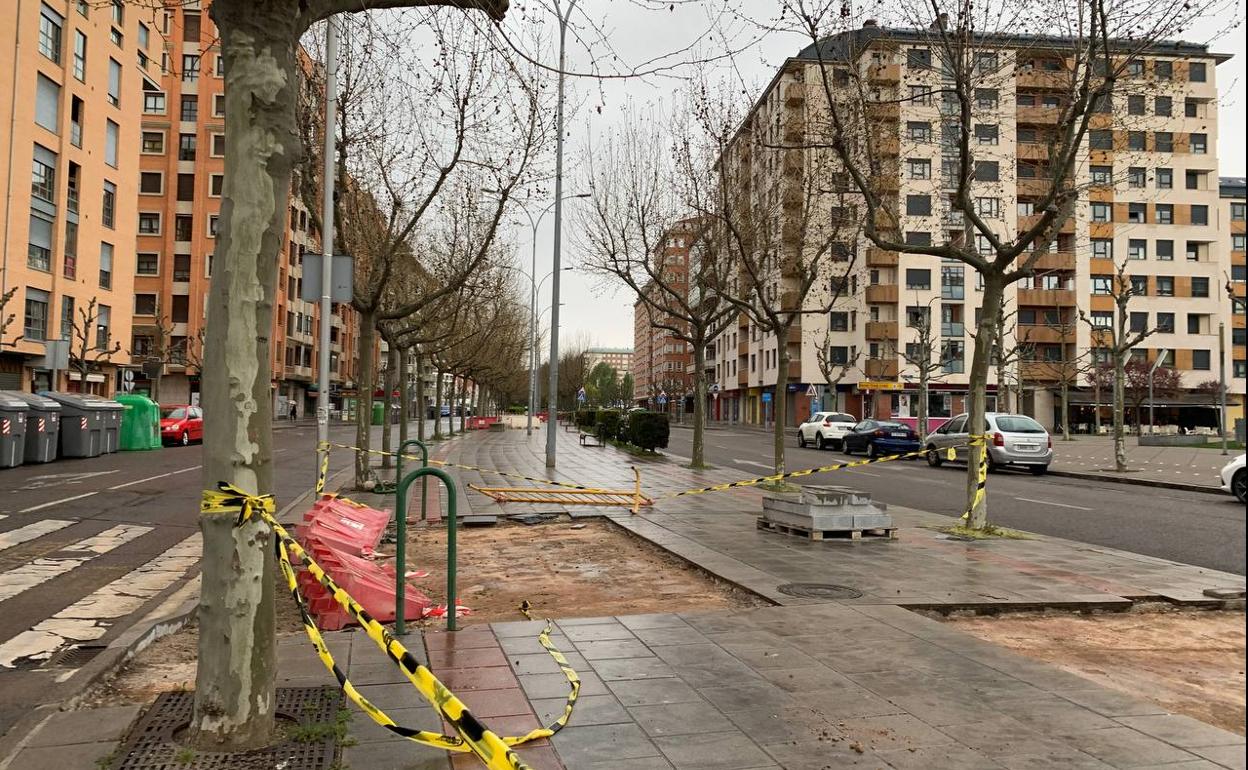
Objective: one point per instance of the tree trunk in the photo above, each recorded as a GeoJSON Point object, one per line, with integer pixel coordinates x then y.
{"type": "Point", "coordinates": [924, 380]}
{"type": "Point", "coordinates": [388, 385]}
{"type": "Point", "coordinates": [437, 404]}
{"type": "Point", "coordinates": [465, 398]}
{"type": "Point", "coordinates": [365, 387]}
{"type": "Point", "coordinates": [699, 402]}
{"type": "Point", "coordinates": [234, 684]}
{"type": "Point", "coordinates": [1096, 395]}
{"type": "Point", "coordinates": [1065, 399]}
{"type": "Point", "coordinates": [420, 398]}
{"type": "Point", "coordinates": [450, 417]}
{"type": "Point", "coordinates": [779, 399]}
{"type": "Point", "coordinates": [1120, 376]}
{"type": "Point", "coordinates": [994, 290]}
{"type": "Point", "coordinates": [155, 387]}
{"type": "Point", "coordinates": [404, 397]}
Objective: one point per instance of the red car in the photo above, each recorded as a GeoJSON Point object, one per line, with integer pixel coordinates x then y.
{"type": "Point", "coordinates": [181, 424]}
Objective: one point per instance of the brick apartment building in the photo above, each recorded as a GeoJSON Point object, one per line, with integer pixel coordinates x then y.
{"type": "Point", "coordinates": [1149, 192]}
{"type": "Point", "coordinates": [69, 157]}
{"type": "Point", "coordinates": [662, 363]}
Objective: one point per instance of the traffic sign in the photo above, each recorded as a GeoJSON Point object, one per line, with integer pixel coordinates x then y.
{"type": "Point", "coordinates": [662, 398]}
{"type": "Point", "coordinates": [766, 398]}
{"type": "Point", "coordinates": [715, 388]}
{"type": "Point", "coordinates": [869, 385]}
{"type": "Point", "coordinates": [812, 391]}
{"type": "Point", "coordinates": [580, 395]}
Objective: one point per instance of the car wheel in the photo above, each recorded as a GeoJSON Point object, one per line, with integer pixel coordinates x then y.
{"type": "Point", "coordinates": [1039, 470]}
{"type": "Point", "coordinates": [801, 439]}
{"type": "Point", "coordinates": [185, 439]}
{"type": "Point", "coordinates": [845, 447]}
{"type": "Point", "coordinates": [933, 457]}
{"type": "Point", "coordinates": [872, 452]}
{"type": "Point", "coordinates": [1239, 485]}
{"type": "Point", "coordinates": [820, 443]}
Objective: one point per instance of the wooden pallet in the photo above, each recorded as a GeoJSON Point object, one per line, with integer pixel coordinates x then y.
{"type": "Point", "coordinates": [889, 533]}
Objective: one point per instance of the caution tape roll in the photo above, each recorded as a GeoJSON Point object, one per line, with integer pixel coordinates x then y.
{"type": "Point", "coordinates": [981, 483]}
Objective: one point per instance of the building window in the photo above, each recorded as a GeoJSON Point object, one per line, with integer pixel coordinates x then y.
{"type": "Point", "coordinates": [1165, 285]}
{"type": "Point", "coordinates": [1164, 249]}
{"type": "Point", "coordinates": [1199, 144]}
{"type": "Point", "coordinates": [986, 98]}
{"type": "Point", "coordinates": [1200, 286]}
{"type": "Point", "coordinates": [1165, 323]}
{"type": "Point", "coordinates": [987, 134]}
{"type": "Point", "coordinates": [153, 102]}
{"type": "Point", "coordinates": [181, 267]}
{"type": "Point", "coordinates": [43, 175]}
{"type": "Point", "coordinates": [145, 304]}
{"type": "Point", "coordinates": [1238, 212]}
{"type": "Point", "coordinates": [151, 182]}
{"type": "Point", "coordinates": [1139, 285]}
{"type": "Point", "coordinates": [918, 205]}
{"type": "Point", "coordinates": [80, 55]}
{"type": "Point", "coordinates": [919, 131]}
{"type": "Point", "coordinates": [1201, 360]}
{"type": "Point", "coordinates": [1165, 179]}
{"type": "Point", "coordinates": [186, 187]}
{"type": "Point", "coordinates": [1135, 104]}
{"type": "Point", "coordinates": [190, 108]}
{"type": "Point", "coordinates": [1102, 319]}
{"type": "Point", "coordinates": [1102, 284]}
{"type": "Point", "coordinates": [1137, 177]}
{"type": "Point", "coordinates": [920, 168]}
{"type": "Point", "coordinates": [112, 135]}
{"type": "Point", "coordinates": [1238, 241]}
{"type": "Point", "coordinates": [1163, 105]}
{"type": "Point", "coordinates": [39, 242]}
{"type": "Point", "coordinates": [1137, 248]}
{"type": "Point", "coordinates": [103, 322]}
{"type": "Point", "coordinates": [1163, 141]}
{"type": "Point", "coordinates": [1101, 140]}
{"type": "Point", "coordinates": [218, 105]}
{"type": "Point", "coordinates": [1137, 141]}
{"type": "Point", "coordinates": [51, 25]}
{"type": "Point", "coordinates": [987, 171]}
{"type": "Point", "coordinates": [1193, 251]}
{"type": "Point", "coordinates": [1165, 213]}
{"type": "Point", "coordinates": [1102, 175]}
{"type": "Point", "coordinates": [216, 183]}
{"type": "Point", "coordinates": [186, 147]}
{"type": "Point", "coordinates": [1137, 322]}
{"type": "Point", "coordinates": [918, 238]}
{"type": "Point", "coordinates": [218, 146]}
{"type": "Point", "coordinates": [1200, 215]}
{"type": "Point", "coordinates": [190, 67]}
{"type": "Point", "coordinates": [838, 321]}
{"type": "Point", "coordinates": [147, 263]}
{"type": "Point", "coordinates": [183, 227]}
{"type": "Point", "coordinates": [952, 282]}
{"type": "Point", "coordinates": [114, 82]}
{"type": "Point", "coordinates": [35, 327]}
{"type": "Point", "coordinates": [190, 27]}
{"type": "Point", "coordinates": [218, 69]}
{"type": "Point", "coordinates": [918, 279]}
{"type": "Point", "coordinates": [1102, 248]}
{"type": "Point", "coordinates": [149, 223]}
{"type": "Point", "coordinates": [1102, 212]}
{"type": "Point", "coordinates": [1196, 72]}
{"type": "Point", "coordinates": [213, 220]}
{"type": "Point", "coordinates": [919, 57]}
{"type": "Point", "coordinates": [108, 211]}
{"type": "Point", "coordinates": [989, 208]}
{"type": "Point", "coordinates": [1163, 70]}
{"type": "Point", "coordinates": [106, 265]}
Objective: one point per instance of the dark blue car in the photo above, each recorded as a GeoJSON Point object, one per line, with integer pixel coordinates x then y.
{"type": "Point", "coordinates": [879, 438]}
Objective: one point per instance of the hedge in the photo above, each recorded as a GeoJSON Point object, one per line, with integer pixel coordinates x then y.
{"type": "Point", "coordinates": [648, 430]}
{"type": "Point", "coordinates": [610, 422]}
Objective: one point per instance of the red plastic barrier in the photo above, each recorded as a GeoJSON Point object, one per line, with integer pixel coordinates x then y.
{"type": "Point", "coordinates": [347, 527]}
{"type": "Point", "coordinates": [480, 423]}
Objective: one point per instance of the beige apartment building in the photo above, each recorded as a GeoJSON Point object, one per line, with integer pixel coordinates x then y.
{"type": "Point", "coordinates": [69, 156]}
{"type": "Point", "coordinates": [181, 180]}
{"type": "Point", "coordinates": [619, 359]}
{"type": "Point", "coordinates": [1149, 195]}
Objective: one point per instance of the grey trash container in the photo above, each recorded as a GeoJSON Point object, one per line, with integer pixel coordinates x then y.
{"type": "Point", "coordinates": [110, 424]}
{"type": "Point", "coordinates": [12, 431]}
{"type": "Point", "coordinates": [43, 426]}
{"type": "Point", "coordinates": [82, 424]}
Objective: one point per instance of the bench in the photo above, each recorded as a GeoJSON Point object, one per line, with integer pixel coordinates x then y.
{"type": "Point", "coordinates": [586, 438]}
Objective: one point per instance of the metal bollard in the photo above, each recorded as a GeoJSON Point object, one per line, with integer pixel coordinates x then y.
{"type": "Point", "coordinates": [424, 463]}
{"type": "Point", "coordinates": [400, 555]}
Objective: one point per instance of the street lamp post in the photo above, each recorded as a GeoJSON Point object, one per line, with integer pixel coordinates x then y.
{"type": "Point", "coordinates": [327, 243]}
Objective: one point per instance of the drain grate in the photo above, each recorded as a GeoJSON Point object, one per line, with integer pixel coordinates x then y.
{"type": "Point", "coordinates": [75, 657]}
{"type": "Point", "coordinates": [151, 743]}
{"type": "Point", "coordinates": [819, 591]}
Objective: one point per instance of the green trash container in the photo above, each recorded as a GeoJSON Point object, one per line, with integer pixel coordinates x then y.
{"type": "Point", "coordinates": [379, 412]}
{"type": "Point", "coordinates": [140, 423]}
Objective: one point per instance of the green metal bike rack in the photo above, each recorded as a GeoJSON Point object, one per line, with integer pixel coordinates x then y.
{"type": "Point", "coordinates": [400, 555]}
{"type": "Point", "coordinates": [424, 463]}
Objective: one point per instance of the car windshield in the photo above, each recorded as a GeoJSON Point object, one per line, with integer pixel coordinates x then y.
{"type": "Point", "coordinates": [838, 417]}
{"type": "Point", "coordinates": [173, 413]}
{"type": "Point", "coordinates": [1017, 423]}
{"type": "Point", "coordinates": [891, 426]}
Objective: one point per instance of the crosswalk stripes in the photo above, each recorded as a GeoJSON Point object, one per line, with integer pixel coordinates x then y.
{"type": "Point", "coordinates": [31, 531]}
{"type": "Point", "coordinates": [91, 617]}
{"type": "Point", "coordinates": [41, 570]}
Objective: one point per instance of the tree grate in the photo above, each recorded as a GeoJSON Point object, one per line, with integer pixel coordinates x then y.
{"type": "Point", "coordinates": [819, 591]}
{"type": "Point", "coordinates": [152, 743]}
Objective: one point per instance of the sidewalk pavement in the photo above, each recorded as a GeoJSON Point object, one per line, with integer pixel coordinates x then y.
{"type": "Point", "coordinates": [805, 684]}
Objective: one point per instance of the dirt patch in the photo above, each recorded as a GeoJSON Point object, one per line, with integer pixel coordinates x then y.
{"type": "Point", "coordinates": [1187, 662]}
{"type": "Point", "coordinates": [564, 568]}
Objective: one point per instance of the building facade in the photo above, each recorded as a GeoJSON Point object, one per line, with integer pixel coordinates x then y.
{"type": "Point", "coordinates": [69, 160]}
{"type": "Point", "coordinates": [619, 359]}
{"type": "Point", "coordinates": [1148, 196]}
{"type": "Point", "coordinates": [1231, 219]}
{"type": "Point", "coordinates": [661, 361]}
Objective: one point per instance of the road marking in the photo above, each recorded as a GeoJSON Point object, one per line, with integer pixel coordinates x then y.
{"type": "Point", "coordinates": [60, 479]}
{"type": "Point", "coordinates": [30, 532]}
{"type": "Point", "coordinates": [153, 478]}
{"type": "Point", "coordinates": [679, 457]}
{"type": "Point", "coordinates": [42, 570]}
{"type": "Point", "coordinates": [91, 617]}
{"type": "Point", "coordinates": [764, 466]}
{"type": "Point", "coordinates": [1059, 505]}
{"type": "Point", "coordinates": [41, 506]}
{"type": "Point", "coordinates": [864, 473]}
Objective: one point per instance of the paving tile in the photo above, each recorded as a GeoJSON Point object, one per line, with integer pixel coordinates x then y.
{"type": "Point", "coordinates": [521, 628]}
{"type": "Point", "coordinates": [485, 678]}
{"type": "Point", "coordinates": [538, 686]}
{"type": "Point", "coordinates": [1182, 731]}
{"type": "Point", "coordinates": [395, 755]}
{"type": "Point", "coordinates": [1111, 703]}
{"type": "Point", "coordinates": [764, 657]}
{"type": "Point", "coordinates": [496, 703]}
{"type": "Point", "coordinates": [392, 696]}
{"type": "Point", "coordinates": [472, 636]}
{"type": "Point", "coordinates": [564, 623]}
{"type": "Point", "coordinates": [641, 763]}
{"type": "Point", "coordinates": [788, 724]}
{"type": "Point", "coordinates": [543, 663]}
{"type": "Point", "coordinates": [365, 730]}
{"type": "Point", "coordinates": [529, 645]}
{"type": "Point", "coordinates": [940, 708]}
{"type": "Point", "coordinates": [680, 718]}
{"type": "Point", "coordinates": [1051, 714]}
{"type": "Point", "coordinates": [1231, 756]}
{"type": "Point", "coordinates": [1124, 747]}
{"type": "Point", "coordinates": [894, 731]}
{"type": "Point", "coordinates": [79, 756]}
{"type": "Point", "coordinates": [588, 710]}
{"type": "Point", "coordinates": [578, 746]}
{"type": "Point", "coordinates": [616, 648]}
{"type": "Point", "coordinates": [372, 673]}
{"type": "Point", "coordinates": [597, 632]}
{"type": "Point", "coordinates": [86, 726]}
{"type": "Point", "coordinates": [740, 696]}
{"type": "Point", "coordinates": [949, 757]}
{"type": "Point", "coordinates": [647, 692]}
{"type": "Point", "coordinates": [653, 620]}
{"type": "Point", "coordinates": [1059, 760]}
{"type": "Point", "coordinates": [670, 635]}
{"type": "Point", "coordinates": [1005, 736]}
{"type": "Point", "coordinates": [712, 751]}
{"type": "Point", "coordinates": [822, 755]}
{"type": "Point", "coordinates": [471, 657]}
{"type": "Point", "coordinates": [806, 679]}
{"type": "Point", "coordinates": [616, 669]}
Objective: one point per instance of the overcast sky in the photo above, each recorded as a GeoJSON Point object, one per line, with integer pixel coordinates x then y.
{"type": "Point", "coordinates": [604, 316]}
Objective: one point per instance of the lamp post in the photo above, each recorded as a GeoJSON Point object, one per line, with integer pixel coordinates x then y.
{"type": "Point", "coordinates": [327, 242]}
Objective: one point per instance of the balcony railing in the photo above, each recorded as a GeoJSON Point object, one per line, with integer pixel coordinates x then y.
{"type": "Point", "coordinates": [952, 329]}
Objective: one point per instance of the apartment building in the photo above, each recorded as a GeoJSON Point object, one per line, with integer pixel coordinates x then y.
{"type": "Point", "coordinates": [180, 186]}
{"type": "Point", "coordinates": [619, 359]}
{"type": "Point", "coordinates": [661, 361]}
{"type": "Point", "coordinates": [1233, 205]}
{"type": "Point", "coordinates": [1149, 196]}
{"type": "Point", "coordinates": [69, 160]}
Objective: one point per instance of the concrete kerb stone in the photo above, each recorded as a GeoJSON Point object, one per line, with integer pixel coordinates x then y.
{"type": "Point", "coordinates": [1137, 481]}
{"type": "Point", "coordinates": [177, 607]}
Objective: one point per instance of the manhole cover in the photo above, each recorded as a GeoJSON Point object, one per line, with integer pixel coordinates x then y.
{"type": "Point", "coordinates": [151, 746]}
{"type": "Point", "coordinates": [819, 591]}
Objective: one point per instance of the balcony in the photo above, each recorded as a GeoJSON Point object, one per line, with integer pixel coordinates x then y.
{"type": "Point", "coordinates": [1032, 151]}
{"type": "Point", "coordinates": [884, 111]}
{"type": "Point", "coordinates": [877, 257]}
{"type": "Point", "coordinates": [1038, 116]}
{"type": "Point", "coordinates": [795, 334]}
{"type": "Point", "coordinates": [884, 74]}
{"type": "Point", "coordinates": [1048, 80]}
{"type": "Point", "coordinates": [1039, 333]}
{"type": "Point", "coordinates": [881, 330]}
{"type": "Point", "coordinates": [1033, 186]}
{"type": "Point", "coordinates": [1053, 260]}
{"type": "Point", "coordinates": [881, 294]}
{"type": "Point", "coordinates": [743, 348]}
{"type": "Point", "coordinates": [887, 145]}
{"type": "Point", "coordinates": [1049, 297]}
{"type": "Point", "coordinates": [881, 368]}
{"type": "Point", "coordinates": [795, 94]}
{"type": "Point", "coordinates": [1041, 370]}
{"type": "Point", "coordinates": [1025, 223]}
{"type": "Point", "coordinates": [743, 377]}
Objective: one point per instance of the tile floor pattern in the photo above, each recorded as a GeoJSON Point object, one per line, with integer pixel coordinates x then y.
{"type": "Point", "coordinates": [823, 686]}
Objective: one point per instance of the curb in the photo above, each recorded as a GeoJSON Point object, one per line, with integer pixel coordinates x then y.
{"type": "Point", "coordinates": [176, 609]}
{"type": "Point", "coordinates": [1141, 482]}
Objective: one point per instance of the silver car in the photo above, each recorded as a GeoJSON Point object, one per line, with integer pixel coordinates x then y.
{"type": "Point", "coordinates": [1014, 439]}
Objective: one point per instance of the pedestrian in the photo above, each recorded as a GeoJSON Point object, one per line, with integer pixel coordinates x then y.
{"type": "Point", "coordinates": [294, 411]}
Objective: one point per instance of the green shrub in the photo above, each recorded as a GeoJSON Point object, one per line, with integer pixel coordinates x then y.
{"type": "Point", "coordinates": [648, 430]}
{"type": "Point", "coordinates": [609, 423]}
{"type": "Point", "coordinates": [586, 419]}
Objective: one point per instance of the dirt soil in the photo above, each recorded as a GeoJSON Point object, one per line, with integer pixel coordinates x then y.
{"type": "Point", "coordinates": [1187, 662]}
{"type": "Point", "coordinates": [564, 568]}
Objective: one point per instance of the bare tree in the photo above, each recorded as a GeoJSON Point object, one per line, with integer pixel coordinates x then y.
{"type": "Point", "coordinates": [1117, 340]}
{"type": "Point", "coordinates": [975, 52]}
{"type": "Point", "coordinates": [89, 343]}
{"type": "Point", "coordinates": [927, 355]}
{"type": "Point", "coordinates": [7, 318]}
{"type": "Point", "coordinates": [1068, 369]}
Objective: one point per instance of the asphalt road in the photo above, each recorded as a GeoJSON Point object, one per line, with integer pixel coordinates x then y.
{"type": "Point", "coordinates": [1195, 528]}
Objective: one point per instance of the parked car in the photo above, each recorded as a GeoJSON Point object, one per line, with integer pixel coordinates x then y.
{"type": "Point", "coordinates": [825, 429]}
{"type": "Point", "coordinates": [181, 424]}
{"type": "Point", "coordinates": [880, 437]}
{"type": "Point", "coordinates": [1235, 478]}
{"type": "Point", "coordinates": [1016, 439]}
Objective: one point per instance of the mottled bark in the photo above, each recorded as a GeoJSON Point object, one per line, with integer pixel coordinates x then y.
{"type": "Point", "coordinates": [699, 402]}
{"type": "Point", "coordinates": [780, 399]}
{"type": "Point", "coordinates": [388, 385]}
{"type": "Point", "coordinates": [365, 385]}
{"type": "Point", "coordinates": [437, 404]}
{"type": "Point", "coordinates": [405, 397]}
{"type": "Point", "coordinates": [420, 398]}
{"type": "Point", "coordinates": [994, 292]}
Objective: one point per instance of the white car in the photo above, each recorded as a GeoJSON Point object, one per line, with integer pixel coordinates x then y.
{"type": "Point", "coordinates": [825, 429]}
{"type": "Point", "coordinates": [1235, 478]}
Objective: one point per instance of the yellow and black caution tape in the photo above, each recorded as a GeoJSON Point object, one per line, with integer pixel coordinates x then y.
{"type": "Point", "coordinates": [981, 484]}
{"type": "Point", "coordinates": [322, 468]}
{"type": "Point", "coordinates": [447, 464]}
{"type": "Point", "coordinates": [574, 681]}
